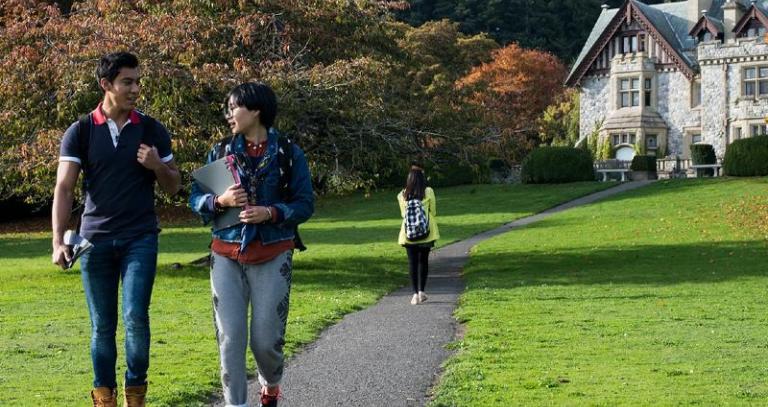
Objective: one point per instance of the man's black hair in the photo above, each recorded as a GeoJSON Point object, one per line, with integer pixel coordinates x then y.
{"type": "Point", "coordinates": [256, 96]}
{"type": "Point", "coordinates": [110, 65]}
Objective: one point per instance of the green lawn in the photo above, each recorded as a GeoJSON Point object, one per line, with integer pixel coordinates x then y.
{"type": "Point", "coordinates": [653, 297]}
{"type": "Point", "coordinates": [353, 259]}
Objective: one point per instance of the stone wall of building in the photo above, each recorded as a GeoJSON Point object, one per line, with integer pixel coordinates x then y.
{"type": "Point", "coordinates": [714, 97]}
{"type": "Point", "coordinates": [721, 63]}
{"type": "Point", "coordinates": [674, 106]}
{"type": "Point", "coordinates": [593, 103]}
{"type": "Point", "coordinates": [743, 47]}
{"type": "Point", "coordinates": [721, 109]}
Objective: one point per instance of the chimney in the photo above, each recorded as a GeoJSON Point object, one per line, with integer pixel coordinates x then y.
{"type": "Point", "coordinates": [694, 11]}
{"type": "Point", "coordinates": [732, 13]}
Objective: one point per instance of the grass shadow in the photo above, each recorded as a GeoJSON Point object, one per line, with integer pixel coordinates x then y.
{"type": "Point", "coordinates": [651, 265]}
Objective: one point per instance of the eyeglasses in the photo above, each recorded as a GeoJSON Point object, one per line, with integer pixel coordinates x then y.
{"type": "Point", "coordinates": [229, 111]}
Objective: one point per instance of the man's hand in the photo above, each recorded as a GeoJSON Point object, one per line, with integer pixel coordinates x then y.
{"type": "Point", "coordinates": [234, 196]}
{"type": "Point", "coordinates": [148, 157]}
{"type": "Point", "coordinates": [255, 214]}
{"type": "Point", "coordinates": [62, 254]}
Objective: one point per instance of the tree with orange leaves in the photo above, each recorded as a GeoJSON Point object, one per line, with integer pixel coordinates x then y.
{"type": "Point", "coordinates": [513, 90]}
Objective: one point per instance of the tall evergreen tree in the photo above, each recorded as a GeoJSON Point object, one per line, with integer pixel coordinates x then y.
{"type": "Point", "coordinates": [557, 26]}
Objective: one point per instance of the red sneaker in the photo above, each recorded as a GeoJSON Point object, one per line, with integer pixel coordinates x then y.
{"type": "Point", "coordinates": [268, 400]}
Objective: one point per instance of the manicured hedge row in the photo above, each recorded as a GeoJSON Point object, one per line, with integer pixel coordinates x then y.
{"type": "Point", "coordinates": [554, 165]}
{"type": "Point", "coordinates": [643, 163]}
{"type": "Point", "coordinates": [747, 157]}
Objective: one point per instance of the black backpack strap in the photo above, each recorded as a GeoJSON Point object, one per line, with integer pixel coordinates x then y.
{"type": "Point", "coordinates": [84, 125]}
{"type": "Point", "coordinates": [149, 132]}
{"type": "Point", "coordinates": [84, 130]}
{"type": "Point", "coordinates": [285, 162]}
{"type": "Point", "coordinates": [221, 146]}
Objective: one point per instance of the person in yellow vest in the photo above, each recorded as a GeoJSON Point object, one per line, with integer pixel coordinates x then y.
{"type": "Point", "coordinates": [419, 231]}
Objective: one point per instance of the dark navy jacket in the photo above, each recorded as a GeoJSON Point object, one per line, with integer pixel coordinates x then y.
{"type": "Point", "coordinates": [298, 207]}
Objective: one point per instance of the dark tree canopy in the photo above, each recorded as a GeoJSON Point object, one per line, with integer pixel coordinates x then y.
{"type": "Point", "coordinates": [557, 26]}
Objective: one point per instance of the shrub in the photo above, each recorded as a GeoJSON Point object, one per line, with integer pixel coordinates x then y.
{"type": "Point", "coordinates": [606, 150]}
{"type": "Point", "coordinates": [450, 174]}
{"type": "Point", "coordinates": [747, 157]}
{"type": "Point", "coordinates": [703, 154]}
{"type": "Point", "coordinates": [643, 163]}
{"type": "Point", "coordinates": [551, 165]}
{"type": "Point", "coordinates": [497, 165]}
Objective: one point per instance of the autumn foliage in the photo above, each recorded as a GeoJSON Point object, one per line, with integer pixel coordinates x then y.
{"type": "Point", "coordinates": [748, 216]}
{"type": "Point", "coordinates": [513, 90]}
{"type": "Point", "coordinates": [358, 91]}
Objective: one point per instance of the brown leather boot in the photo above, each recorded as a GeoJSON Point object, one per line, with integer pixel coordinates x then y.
{"type": "Point", "coordinates": [104, 397]}
{"type": "Point", "coordinates": [134, 396]}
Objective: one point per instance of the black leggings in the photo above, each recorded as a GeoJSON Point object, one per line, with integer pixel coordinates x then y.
{"type": "Point", "coordinates": [418, 259]}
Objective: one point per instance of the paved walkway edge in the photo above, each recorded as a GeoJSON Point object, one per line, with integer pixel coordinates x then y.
{"type": "Point", "coordinates": [391, 353]}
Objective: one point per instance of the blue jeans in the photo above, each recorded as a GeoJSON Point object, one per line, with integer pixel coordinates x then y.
{"type": "Point", "coordinates": [135, 262]}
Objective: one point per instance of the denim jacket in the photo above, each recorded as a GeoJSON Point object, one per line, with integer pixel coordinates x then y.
{"type": "Point", "coordinates": [297, 209]}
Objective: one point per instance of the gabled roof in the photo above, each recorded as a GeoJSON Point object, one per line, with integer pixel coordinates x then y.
{"type": "Point", "coordinates": [605, 19]}
{"type": "Point", "coordinates": [670, 20]}
{"type": "Point", "coordinates": [665, 23]}
{"type": "Point", "coordinates": [709, 24]}
{"type": "Point", "coordinates": [758, 10]}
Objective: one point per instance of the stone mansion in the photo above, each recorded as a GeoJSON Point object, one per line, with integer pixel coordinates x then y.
{"type": "Point", "coordinates": [659, 78]}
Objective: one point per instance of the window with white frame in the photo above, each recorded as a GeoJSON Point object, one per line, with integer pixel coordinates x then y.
{"type": "Point", "coordinates": [696, 138]}
{"type": "Point", "coordinates": [757, 130]}
{"type": "Point", "coordinates": [647, 90]}
{"type": "Point", "coordinates": [696, 93]}
{"type": "Point", "coordinates": [756, 31]}
{"type": "Point", "coordinates": [736, 133]}
{"type": "Point", "coordinates": [650, 141]}
{"type": "Point", "coordinates": [629, 92]}
{"type": "Point", "coordinates": [755, 81]}
{"type": "Point", "coordinates": [623, 138]}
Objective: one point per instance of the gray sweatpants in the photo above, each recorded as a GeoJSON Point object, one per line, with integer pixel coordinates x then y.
{"type": "Point", "coordinates": [266, 287]}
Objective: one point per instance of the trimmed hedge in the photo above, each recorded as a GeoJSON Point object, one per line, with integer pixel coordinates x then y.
{"type": "Point", "coordinates": [747, 157]}
{"type": "Point", "coordinates": [703, 154]}
{"type": "Point", "coordinates": [450, 174]}
{"type": "Point", "coordinates": [554, 165]}
{"type": "Point", "coordinates": [643, 163]}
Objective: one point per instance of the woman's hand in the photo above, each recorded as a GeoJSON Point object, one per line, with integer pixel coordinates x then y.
{"type": "Point", "coordinates": [234, 196]}
{"type": "Point", "coordinates": [256, 214]}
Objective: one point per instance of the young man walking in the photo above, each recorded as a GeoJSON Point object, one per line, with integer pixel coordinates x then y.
{"type": "Point", "coordinates": [122, 152]}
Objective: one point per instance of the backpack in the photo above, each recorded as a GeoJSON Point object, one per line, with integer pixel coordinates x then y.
{"type": "Point", "coordinates": [416, 220]}
{"type": "Point", "coordinates": [284, 161]}
{"type": "Point", "coordinates": [84, 130]}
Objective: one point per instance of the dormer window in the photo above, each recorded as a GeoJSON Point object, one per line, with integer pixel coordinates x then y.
{"type": "Point", "coordinates": [752, 24]}
{"type": "Point", "coordinates": [707, 29]}
{"type": "Point", "coordinates": [757, 31]}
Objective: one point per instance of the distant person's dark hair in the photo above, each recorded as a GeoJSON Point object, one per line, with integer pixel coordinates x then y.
{"type": "Point", "coordinates": [110, 65]}
{"type": "Point", "coordinates": [417, 165]}
{"type": "Point", "coordinates": [256, 96]}
{"type": "Point", "coordinates": [415, 185]}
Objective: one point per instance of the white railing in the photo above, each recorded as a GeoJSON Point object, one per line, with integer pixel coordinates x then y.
{"type": "Point", "coordinates": [612, 164]}
{"type": "Point", "coordinates": [668, 165]}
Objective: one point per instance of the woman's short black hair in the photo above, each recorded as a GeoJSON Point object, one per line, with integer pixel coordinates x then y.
{"type": "Point", "coordinates": [256, 96]}
{"type": "Point", "coordinates": [110, 65]}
